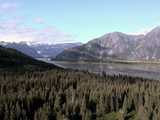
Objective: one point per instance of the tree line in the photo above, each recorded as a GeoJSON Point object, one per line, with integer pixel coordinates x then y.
{"type": "Point", "coordinates": [77, 95]}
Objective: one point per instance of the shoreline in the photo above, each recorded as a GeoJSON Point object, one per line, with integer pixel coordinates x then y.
{"type": "Point", "coordinates": [109, 61]}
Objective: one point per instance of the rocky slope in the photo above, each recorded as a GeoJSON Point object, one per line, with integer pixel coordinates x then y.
{"type": "Point", "coordinates": [117, 46]}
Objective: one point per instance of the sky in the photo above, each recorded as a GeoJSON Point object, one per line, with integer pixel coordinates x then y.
{"type": "Point", "coordinates": [58, 21]}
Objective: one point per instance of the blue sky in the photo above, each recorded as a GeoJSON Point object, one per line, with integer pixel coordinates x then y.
{"type": "Point", "coordinates": [76, 20]}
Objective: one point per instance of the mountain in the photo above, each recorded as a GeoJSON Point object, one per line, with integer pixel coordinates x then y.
{"type": "Point", "coordinates": [52, 50]}
{"type": "Point", "coordinates": [40, 50]}
{"type": "Point", "coordinates": [117, 46]}
{"type": "Point", "coordinates": [15, 60]}
{"type": "Point", "coordinates": [23, 47]}
{"type": "Point", "coordinates": [149, 47]}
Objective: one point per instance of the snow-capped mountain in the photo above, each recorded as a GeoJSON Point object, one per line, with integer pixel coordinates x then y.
{"type": "Point", "coordinates": [39, 50]}
{"type": "Point", "coordinates": [22, 47]}
{"type": "Point", "coordinates": [52, 50]}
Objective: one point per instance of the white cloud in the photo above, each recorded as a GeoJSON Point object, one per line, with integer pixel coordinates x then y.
{"type": "Point", "coordinates": [39, 20]}
{"type": "Point", "coordinates": [15, 31]}
{"type": "Point", "coordinates": [8, 7]}
{"type": "Point", "coordinates": [15, 38]}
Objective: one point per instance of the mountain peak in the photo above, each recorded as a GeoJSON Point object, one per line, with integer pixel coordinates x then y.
{"type": "Point", "coordinates": [114, 34]}
{"type": "Point", "coordinates": [155, 30]}
{"type": "Point", "coordinates": [118, 45]}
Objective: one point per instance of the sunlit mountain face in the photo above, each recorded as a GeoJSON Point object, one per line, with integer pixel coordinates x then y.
{"type": "Point", "coordinates": [118, 46]}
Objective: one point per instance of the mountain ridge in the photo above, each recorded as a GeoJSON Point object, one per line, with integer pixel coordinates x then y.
{"type": "Point", "coordinates": [39, 50]}
{"type": "Point", "coordinates": [119, 46]}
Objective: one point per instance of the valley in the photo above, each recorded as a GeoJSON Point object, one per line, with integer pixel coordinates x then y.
{"type": "Point", "coordinates": [79, 60]}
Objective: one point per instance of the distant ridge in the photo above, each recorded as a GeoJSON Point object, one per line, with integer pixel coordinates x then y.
{"type": "Point", "coordinates": [39, 50]}
{"type": "Point", "coordinates": [11, 59]}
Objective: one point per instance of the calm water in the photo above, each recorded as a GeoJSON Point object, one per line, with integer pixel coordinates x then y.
{"type": "Point", "coordinates": [141, 70]}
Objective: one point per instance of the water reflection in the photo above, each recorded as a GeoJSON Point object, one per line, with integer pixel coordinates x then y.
{"type": "Point", "coordinates": [142, 70]}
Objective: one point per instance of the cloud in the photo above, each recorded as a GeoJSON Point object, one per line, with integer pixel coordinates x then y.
{"type": "Point", "coordinates": [15, 31]}
{"type": "Point", "coordinates": [8, 7]}
{"type": "Point", "coordinates": [39, 20]}
{"type": "Point", "coordinates": [10, 24]}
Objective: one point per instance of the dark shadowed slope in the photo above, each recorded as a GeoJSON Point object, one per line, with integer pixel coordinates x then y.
{"type": "Point", "coordinates": [22, 47]}
{"type": "Point", "coordinates": [13, 59]}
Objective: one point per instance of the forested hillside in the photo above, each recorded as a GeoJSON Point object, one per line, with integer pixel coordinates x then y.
{"type": "Point", "coordinates": [74, 95]}
{"type": "Point", "coordinates": [11, 59]}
